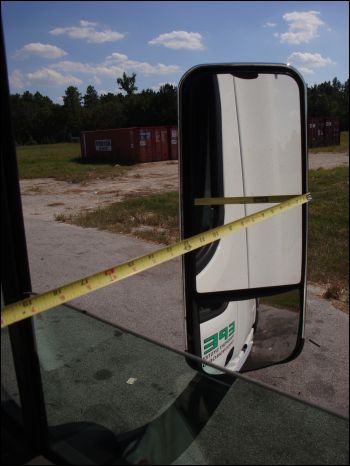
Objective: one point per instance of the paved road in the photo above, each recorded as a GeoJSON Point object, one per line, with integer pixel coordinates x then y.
{"type": "Point", "coordinates": [151, 304]}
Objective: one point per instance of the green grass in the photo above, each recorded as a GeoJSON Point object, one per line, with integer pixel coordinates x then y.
{"type": "Point", "coordinates": [62, 162]}
{"type": "Point", "coordinates": [329, 227]}
{"type": "Point", "coordinates": [343, 147]}
{"type": "Point", "coordinates": [289, 300]}
{"type": "Point", "coordinates": [153, 218]}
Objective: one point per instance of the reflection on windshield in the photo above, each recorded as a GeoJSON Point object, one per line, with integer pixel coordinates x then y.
{"type": "Point", "coordinates": [178, 427]}
{"type": "Point", "coordinates": [114, 398]}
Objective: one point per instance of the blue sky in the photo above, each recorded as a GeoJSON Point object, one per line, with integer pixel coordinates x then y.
{"type": "Point", "coordinates": [51, 45]}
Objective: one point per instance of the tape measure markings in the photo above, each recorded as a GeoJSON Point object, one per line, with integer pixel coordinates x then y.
{"type": "Point", "coordinates": [35, 305]}
{"type": "Point", "coordinates": [243, 200]}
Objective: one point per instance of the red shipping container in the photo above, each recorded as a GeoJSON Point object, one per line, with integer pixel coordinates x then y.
{"type": "Point", "coordinates": [146, 144]}
{"type": "Point", "coordinates": [108, 145]}
{"type": "Point", "coordinates": [331, 132]}
{"type": "Point", "coordinates": [323, 131]}
{"type": "Point", "coordinates": [130, 145]}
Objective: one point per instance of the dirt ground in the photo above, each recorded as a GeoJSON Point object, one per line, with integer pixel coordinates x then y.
{"type": "Point", "coordinates": [46, 198]}
{"type": "Point", "coordinates": [328, 160]}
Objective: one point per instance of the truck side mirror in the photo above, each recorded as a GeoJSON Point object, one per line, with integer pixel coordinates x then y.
{"type": "Point", "coordinates": [242, 133]}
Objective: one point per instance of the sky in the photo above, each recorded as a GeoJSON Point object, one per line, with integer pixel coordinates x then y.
{"type": "Point", "coordinates": [53, 45]}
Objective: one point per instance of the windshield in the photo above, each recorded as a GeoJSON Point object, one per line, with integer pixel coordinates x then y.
{"type": "Point", "coordinates": [114, 397]}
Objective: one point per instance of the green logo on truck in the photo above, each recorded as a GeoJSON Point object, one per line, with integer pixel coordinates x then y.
{"type": "Point", "coordinates": [212, 342]}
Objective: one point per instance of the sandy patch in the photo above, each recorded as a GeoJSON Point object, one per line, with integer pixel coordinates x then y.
{"type": "Point", "coordinates": [46, 197]}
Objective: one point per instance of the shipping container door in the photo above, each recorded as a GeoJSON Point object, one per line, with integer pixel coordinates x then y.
{"type": "Point", "coordinates": [165, 145]}
{"type": "Point", "coordinates": [311, 133]}
{"type": "Point", "coordinates": [173, 143]}
{"type": "Point", "coordinates": [132, 157]}
{"type": "Point", "coordinates": [320, 133]}
{"type": "Point", "coordinates": [316, 132]}
{"type": "Point", "coordinates": [336, 132]}
{"type": "Point", "coordinates": [150, 145]}
{"type": "Point", "coordinates": [328, 132]}
{"type": "Point", "coordinates": [331, 130]}
{"type": "Point", "coordinates": [157, 145]}
{"type": "Point", "coordinates": [102, 145]}
{"type": "Point", "coordinates": [124, 145]}
{"type": "Point", "coordinates": [144, 144]}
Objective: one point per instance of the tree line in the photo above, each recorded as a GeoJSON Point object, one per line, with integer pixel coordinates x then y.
{"type": "Point", "coordinates": [38, 120]}
{"type": "Point", "coordinates": [330, 99]}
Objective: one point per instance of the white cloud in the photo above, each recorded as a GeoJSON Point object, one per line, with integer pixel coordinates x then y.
{"type": "Point", "coordinates": [269, 25]}
{"type": "Point", "coordinates": [116, 57]}
{"type": "Point", "coordinates": [41, 50]}
{"type": "Point", "coordinates": [86, 68]}
{"type": "Point", "coordinates": [305, 70]}
{"type": "Point", "coordinates": [51, 77]}
{"type": "Point", "coordinates": [179, 40]}
{"type": "Point", "coordinates": [303, 27]}
{"type": "Point", "coordinates": [308, 62]}
{"type": "Point", "coordinates": [87, 30]}
{"type": "Point", "coordinates": [147, 68]}
{"type": "Point", "coordinates": [84, 23]}
{"type": "Point", "coordinates": [109, 69]}
{"type": "Point", "coordinates": [73, 67]}
{"type": "Point", "coordinates": [17, 80]}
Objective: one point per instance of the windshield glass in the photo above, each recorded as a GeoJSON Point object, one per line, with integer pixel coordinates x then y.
{"type": "Point", "coordinates": [112, 396]}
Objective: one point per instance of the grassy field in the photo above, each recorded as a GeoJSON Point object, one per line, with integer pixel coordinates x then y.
{"type": "Point", "coordinates": [156, 218]}
{"type": "Point", "coordinates": [62, 162]}
{"type": "Point", "coordinates": [153, 218]}
{"type": "Point", "coordinates": [343, 147]}
{"type": "Point", "coordinates": [329, 227]}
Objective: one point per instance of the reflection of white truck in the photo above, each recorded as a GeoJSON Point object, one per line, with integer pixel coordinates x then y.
{"type": "Point", "coordinates": [260, 156]}
{"type": "Point", "coordinates": [228, 338]}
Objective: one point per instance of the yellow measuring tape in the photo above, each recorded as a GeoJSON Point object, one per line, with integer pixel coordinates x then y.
{"type": "Point", "coordinates": [16, 312]}
{"type": "Point", "coordinates": [242, 200]}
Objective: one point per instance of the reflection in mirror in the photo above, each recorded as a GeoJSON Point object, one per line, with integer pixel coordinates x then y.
{"type": "Point", "coordinates": [242, 130]}
{"type": "Point", "coordinates": [256, 153]}
{"type": "Point", "coordinates": [276, 330]}
{"type": "Point", "coordinates": [250, 334]}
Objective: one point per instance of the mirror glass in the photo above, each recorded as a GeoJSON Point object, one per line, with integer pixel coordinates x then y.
{"type": "Point", "coordinates": [242, 135]}
{"type": "Point", "coordinates": [276, 330]}
{"type": "Point", "coordinates": [248, 143]}
{"type": "Point", "coordinates": [250, 334]}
